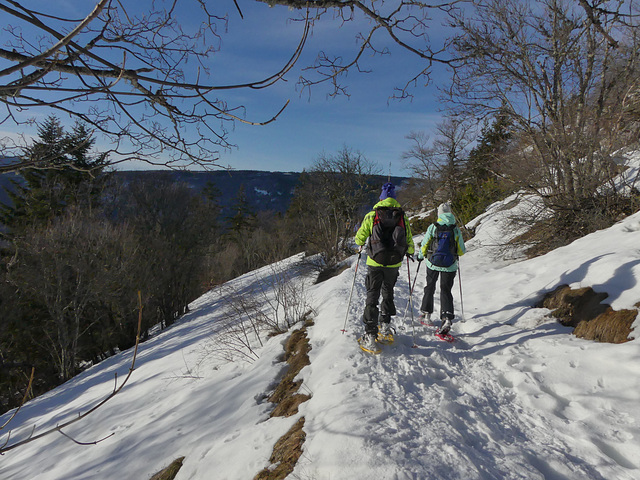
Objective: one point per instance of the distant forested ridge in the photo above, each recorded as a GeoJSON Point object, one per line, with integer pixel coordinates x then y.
{"type": "Point", "coordinates": [263, 190]}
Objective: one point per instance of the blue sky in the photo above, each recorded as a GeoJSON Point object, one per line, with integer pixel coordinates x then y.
{"type": "Point", "coordinates": [366, 121]}
{"type": "Point", "coordinates": [256, 47]}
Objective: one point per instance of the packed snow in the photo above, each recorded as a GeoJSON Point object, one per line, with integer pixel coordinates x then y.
{"type": "Point", "coordinates": [515, 397]}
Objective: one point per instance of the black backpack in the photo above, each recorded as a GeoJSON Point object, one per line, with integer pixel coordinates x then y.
{"type": "Point", "coordinates": [443, 250]}
{"type": "Point", "coordinates": [388, 242]}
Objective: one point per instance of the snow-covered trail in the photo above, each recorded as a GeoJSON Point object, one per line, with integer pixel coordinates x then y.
{"type": "Point", "coordinates": [493, 405]}
{"type": "Point", "coordinates": [516, 397]}
{"type": "Point", "coordinates": [458, 420]}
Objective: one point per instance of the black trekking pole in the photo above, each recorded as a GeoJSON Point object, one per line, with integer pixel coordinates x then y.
{"type": "Point", "coordinates": [344, 328]}
{"type": "Point", "coordinates": [413, 327]}
{"type": "Point", "coordinates": [411, 290]}
{"type": "Point", "coordinates": [460, 283]}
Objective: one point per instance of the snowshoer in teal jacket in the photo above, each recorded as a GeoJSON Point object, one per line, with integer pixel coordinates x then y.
{"type": "Point", "coordinates": [437, 268]}
{"type": "Point", "coordinates": [381, 276]}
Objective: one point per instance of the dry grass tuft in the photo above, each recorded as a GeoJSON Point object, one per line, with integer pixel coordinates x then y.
{"type": "Point", "coordinates": [285, 395]}
{"type": "Point", "coordinates": [288, 449]}
{"type": "Point", "coordinates": [591, 319]}
{"type": "Point", "coordinates": [288, 406]}
{"type": "Point", "coordinates": [571, 307]}
{"type": "Point", "coordinates": [170, 472]}
{"type": "Point", "coordinates": [612, 326]}
{"type": "Point", "coordinates": [285, 454]}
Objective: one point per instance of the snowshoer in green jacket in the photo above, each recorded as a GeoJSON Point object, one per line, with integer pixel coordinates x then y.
{"type": "Point", "coordinates": [386, 232]}
{"type": "Point", "coordinates": [440, 248]}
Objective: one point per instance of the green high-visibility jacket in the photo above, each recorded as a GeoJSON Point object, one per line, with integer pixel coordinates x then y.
{"type": "Point", "coordinates": [364, 232]}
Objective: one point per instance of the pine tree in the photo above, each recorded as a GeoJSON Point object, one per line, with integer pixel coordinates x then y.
{"type": "Point", "coordinates": [493, 141]}
{"type": "Point", "coordinates": [74, 176]}
{"type": "Point", "coordinates": [483, 182]}
{"type": "Point", "coordinates": [243, 218]}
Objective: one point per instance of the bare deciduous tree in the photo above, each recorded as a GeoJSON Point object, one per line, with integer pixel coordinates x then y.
{"type": "Point", "coordinates": [554, 67]}
{"type": "Point", "coordinates": [440, 162]}
{"type": "Point", "coordinates": [175, 226]}
{"type": "Point", "coordinates": [70, 268]}
{"type": "Point", "coordinates": [140, 74]}
{"type": "Point", "coordinates": [328, 202]}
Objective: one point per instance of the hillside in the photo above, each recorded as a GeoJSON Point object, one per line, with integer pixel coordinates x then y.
{"type": "Point", "coordinates": [516, 397]}
{"type": "Point", "coordinates": [263, 190]}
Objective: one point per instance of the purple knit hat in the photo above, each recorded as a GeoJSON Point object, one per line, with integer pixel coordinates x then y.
{"type": "Point", "coordinates": [388, 190]}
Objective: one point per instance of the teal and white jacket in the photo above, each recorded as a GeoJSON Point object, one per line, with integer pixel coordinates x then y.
{"type": "Point", "coordinates": [444, 219]}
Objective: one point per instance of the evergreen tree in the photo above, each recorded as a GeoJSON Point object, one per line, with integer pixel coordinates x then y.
{"type": "Point", "coordinates": [243, 218]}
{"type": "Point", "coordinates": [212, 195]}
{"type": "Point", "coordinates": [74, 176]}
{"type": "Point", "coordinates": [484, 183]}
{"type": "Point", "coordinates": [483, 159]}
{"type": "Point", "coordinates": [46, 252]}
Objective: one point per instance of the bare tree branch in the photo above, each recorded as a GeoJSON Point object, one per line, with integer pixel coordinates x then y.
{"type": "Point", "coordinates": [138, 75]}
{"type": "Point", "coordinates": [406, 24]}
{"type": "Point", "coordinates": [24, 399]}
{"type": "Point", "coordinates": [95, 442]}
{"type": "Point", "coordinates": [553, 68]}
{"type": "Point", "coordinates": [58, 46]}
{"type": "Point", "coordinates": [597, 23]}
{"type": "Point", "coordinates": [77, 70]}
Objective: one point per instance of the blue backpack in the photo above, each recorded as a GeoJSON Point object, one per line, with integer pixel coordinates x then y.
{"type": "Point", "coordinates": [443, 249]}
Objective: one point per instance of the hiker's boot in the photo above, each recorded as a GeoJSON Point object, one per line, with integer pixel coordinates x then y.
{"type": "Point", "coordinates": [446, 326]}
{"type": "Point", "coordinates": [384, 329]}
{"type": "Point", "coordinates": [369, 341]}
{"type": "Point", "coordinates": [425, 318]}
{"type": "Point", "coordinates": [385, 333]}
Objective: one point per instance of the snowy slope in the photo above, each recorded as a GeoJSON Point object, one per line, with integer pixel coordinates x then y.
{"type": "Point", "coordinates": [516, 397]}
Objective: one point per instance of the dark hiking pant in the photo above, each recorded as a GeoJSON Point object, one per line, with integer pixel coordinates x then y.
{"type": "Point", "coordinates": [446, 297]}
{"type": "Point", "coordinates": [379, 280]}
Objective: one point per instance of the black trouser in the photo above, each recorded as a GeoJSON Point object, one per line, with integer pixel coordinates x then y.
{"type": "Point", "coordinates": [379, 279]}
{"type": "Point", "coordinates": [446, 297]}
